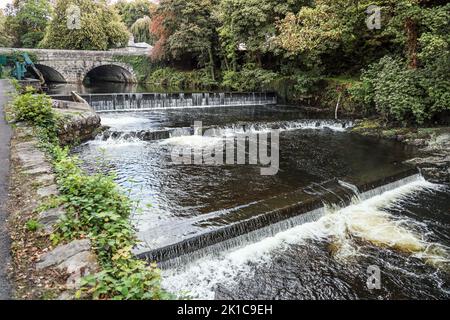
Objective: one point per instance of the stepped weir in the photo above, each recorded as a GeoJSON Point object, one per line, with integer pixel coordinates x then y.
{"type": "Point", "coordinates": [150, 101]}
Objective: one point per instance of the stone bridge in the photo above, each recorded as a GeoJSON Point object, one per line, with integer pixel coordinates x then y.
{"type": "Point", "coordinates": [76, 66]}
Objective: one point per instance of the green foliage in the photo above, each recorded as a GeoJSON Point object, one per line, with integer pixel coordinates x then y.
{"type": "Point", "coordinates": [250, 78]}
{"type": "Point", "coordinates": [415, 89]}
{"type": "Point", "coordinates": [141, 30]}
{"type": "Point", "coordinates": [306, 83]}
{"type": "Point", "coordinates": [35, 109]}
{"type": "Point", "coordinates": [142, 65]}
{"type": "Point", "coordinates": [101, 27]}
{"type": "Point", "coordinates": [6, 40]}
{"type": "Point", "coordinates": [251, 24]}
{"type": "Point", "coordinates": [26, 21]}
{"type": "Point", "coordinates": [95, 207]}
{"type": "Point", "coordinates": [15, 83]}
{"type": "Point", "coordinates": [131, 11]}
{"type": "Point", "coordinates": [33, 225]}
{"type": "Point", "coordinates": [187, 31]}
{"type": "Point", "coordinates": [174, 79]}
{"type": "Point", "coordinates": [403, 94]}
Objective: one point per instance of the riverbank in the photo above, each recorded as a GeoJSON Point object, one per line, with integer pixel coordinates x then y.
{"type": "Point", "coordinates": [72, 237]}
{"type": "Point", "coordinates": [39, 268]}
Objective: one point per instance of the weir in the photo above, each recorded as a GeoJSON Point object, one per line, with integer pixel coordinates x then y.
{"type": "Point", "coordinates": [275, 215]}
{"type": "Point", "coordinates": [151, 135]}
{"type": "Point", "coordinates": [198, 211]}
{"type": "Point", "coordinates": [150, 101]}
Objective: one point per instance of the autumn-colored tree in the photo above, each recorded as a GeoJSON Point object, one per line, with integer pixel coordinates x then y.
{"type": "Point", "coordinates": [159, 51]}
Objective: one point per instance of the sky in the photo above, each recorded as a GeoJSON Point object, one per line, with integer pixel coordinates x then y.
{"type": "Point", "coordinates": [3, 3]}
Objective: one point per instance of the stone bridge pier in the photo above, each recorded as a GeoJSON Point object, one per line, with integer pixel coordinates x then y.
{"type": "Point", "coordinates": [76, 66]}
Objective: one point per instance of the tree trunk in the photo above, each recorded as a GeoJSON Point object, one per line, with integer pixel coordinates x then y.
{"type": "Point", "coordinates": [411, 42]}
{"type": "Point", "coordinates": [337, 106]}
{"type": "Point", "coordinates": [211, 63]}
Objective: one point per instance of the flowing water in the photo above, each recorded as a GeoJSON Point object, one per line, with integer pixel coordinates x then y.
{"type": "Point", "coordinates": [404, 232]}
{"type": "Point", "coordinates": [338, 204]}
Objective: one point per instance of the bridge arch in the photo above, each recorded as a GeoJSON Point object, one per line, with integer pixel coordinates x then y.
{"type": "Point", "coordinates": [73, 66]}
{"type": "Point", "coordinates": [50, 74]}
{"type": "Point", "coordinates": [110, 72]}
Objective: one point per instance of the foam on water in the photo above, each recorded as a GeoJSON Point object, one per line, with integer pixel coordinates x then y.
{"type": "Point", "coordinates": [120, 142]}
{"type": "Point", "coordinates": [367, 220]}
{"type": "Point", "coordinates": [121, 122]}
{"type": "Point", "coordinates": [307, 124]}
{"type": "Point", "coordinates": [194, 141]}
{"type": "Point", "coordinates": [214, 135]}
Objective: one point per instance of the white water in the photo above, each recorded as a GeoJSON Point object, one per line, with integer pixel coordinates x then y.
{"type": "Point", "coordinates": [367, 220]}
{"type": "Point", "coordinates": [122, 122]}
{"type": "Point", "coordinates": [119, 142]}
{"type": "Point", "coordinates": [160, 101]}
{"type": "Point", "coordinates": [213, 136]}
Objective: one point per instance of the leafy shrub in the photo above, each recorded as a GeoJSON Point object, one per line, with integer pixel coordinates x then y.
{"type": "Point", "coordinates": [403, 94]}
{"type": "Point", "coordinates": [95, 207]}
{"type": "Point", "coordinates": [34, 108]}
{"type": "Point", "coordinates": [250, 78]}
{"type": "Point", "coordinates": [306, 83]}
{"type": "Point", "coordinates": [174, 79]}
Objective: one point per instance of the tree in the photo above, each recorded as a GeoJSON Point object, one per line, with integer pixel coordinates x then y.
{"type": "Point", "coordinates": [5, 39]}
{"type": "Point", "coordinates": [185, 28]}
{"type": "Point", "coordinates": [413, 87]}
{"type": "Point", "coordinates": [101, 27]}
{"type": "Point", "coordinates": [141, 30]}
{"type": "Point", "coordinates": [334, 28]}
{"type": "Point", "coordinates": [250, 26]}
{"type": "Point", "coordinates": [134, 10]}
{"type": "Point", "coordinates": [26, 20]}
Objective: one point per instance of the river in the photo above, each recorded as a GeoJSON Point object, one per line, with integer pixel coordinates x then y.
{"type": "Point", "coordinates": [339, 204]}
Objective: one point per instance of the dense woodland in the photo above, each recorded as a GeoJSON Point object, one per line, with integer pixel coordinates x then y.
{"type": "Point", "coordinates": [316, 52]}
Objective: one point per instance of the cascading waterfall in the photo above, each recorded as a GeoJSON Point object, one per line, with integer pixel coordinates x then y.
{"type": "Point", "coordinates": [231, 130]}
{"type": "Point", "coordinates": [153, 101]}
{"type": "Point", "coordinates": [330, 194]}
{"type": "Point", "coordinates": [365, 218]}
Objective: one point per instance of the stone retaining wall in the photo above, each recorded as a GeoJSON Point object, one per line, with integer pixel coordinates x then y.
{"type": "Point", "coordinates": [80, 123]}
